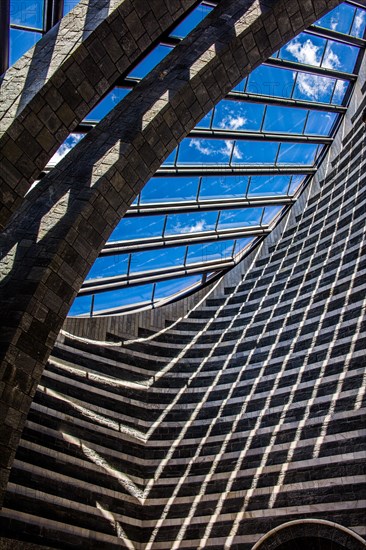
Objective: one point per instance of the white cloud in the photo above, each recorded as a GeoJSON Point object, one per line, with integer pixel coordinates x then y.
{"type": "Point", "coordinates": [233, 122]}
{"type": "Point", "coordinates": [331, 60]}
{"type": "Point", "coordinates": [359, 22]}
{"type": "Point", "coordinates": [200, 225]}
{"type": "Point", "coordinates": [305, 52]}
{"type": "Point", "coordinates": [201, 147]}
{"type": "Point", "coordinates": [334, 22]}
{"type": "Point", "coordinates": [314, 87]}
{"type": "Point", "coordinates": [208, 149]}
{"type": "Point", "coordinates": [340, 90]}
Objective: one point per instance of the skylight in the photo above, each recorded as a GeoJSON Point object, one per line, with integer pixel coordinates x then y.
{"type": "Point", "coordinates": [226, 184]}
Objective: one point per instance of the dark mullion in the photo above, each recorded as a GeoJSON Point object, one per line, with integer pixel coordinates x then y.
{"type": "Point", "coordinates": [311, 69]}
{"type": "Point", "coordinates": [204, 133]}
{"type": "Point", "coordinates": [234, 170]}
{"type": "Point", "coordinates": [156, 276]}
{"type": "Point", "coordinates": [286, 102]}
{"type": "Point", "coordinates": [26, 28]}
{"type": "Point", "coordinates": [336, 36]}
{"type": "Point", "coordinates": [53, 12]}
{"type": "Point", "coordinates": [186, 207]}
{"type": "Point", "coordinates": [85, 127]}
{"type": "Point", "coordinates": [185, 239]}
{"type": "Point", "coordinates": [242, 170]}
{"type": "Point", "coordinates": [58, 10]}
{"type": "Point", "coordinates": [4, 35]}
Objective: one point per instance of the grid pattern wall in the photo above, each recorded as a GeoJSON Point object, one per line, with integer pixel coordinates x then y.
{"type": "Point", "coordinates": [247, 414]}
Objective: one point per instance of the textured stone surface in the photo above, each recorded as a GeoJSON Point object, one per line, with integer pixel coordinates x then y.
{"type": "Point", "coordinates": [245, 413]}
{"type": "Point", "coordinates": [55, 236]}
{"type": "Point", "coordinates": [57, 83]}
{"type": "Point", "coordinates": [322, 533]}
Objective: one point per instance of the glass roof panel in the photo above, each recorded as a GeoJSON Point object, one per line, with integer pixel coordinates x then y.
{"type": "Point", "coordinates": [21, 42]}
{"type": "Point", "coordinates": [138, 228]}
{"type": "Point", "coordinates": [269, 185]}
{"type": "Point", "coordinates": [240, 218]}
{"type": "Point", "coordinates": [28, 14]}
{"type": "Point", "coordinates": [305, 48]}
{"type": "Point", "coordinates": [81, 306]}
{"type": "Point", "coordinates": [359, 24]}
{"type": "Point", "coordinates": [241, 244]}
{"type": "Point", "coordinates": [69, 5]}
{"type": "Point", "coordinates": [298, 153]}
{"type": "Point", "coordinates": [190, 223]}
{"type": "Point", "coordinates": [340, 19]}
{"type": "Point", "coordinates": [296, 182]}
{"type": "Point", "coordinates": [107, 104]}
{"type": "Point", "coordinates": [285, 119]}
{"type": "Point", "coordinates": [221, 250]}
{"type": "Point", "coordinates": [270, 212]}
{"type": "Point", "coordinates": [236, 115]}
{"type": "Point", "coordinates": [169, 189]}
{"type": "Point", "coordinates": [205, 122]}
{"type": "Point", "coordinates": [67, 145]}
{"type": "Point", "coordinates": [271, 81]}
{"type": "Point", "coordinates": [204, 151]}
{"type": "Point", "coordinates": [123, 297]}
{"type": "Point", "coordinates": [320, 123]}
{"type": "Point", "coordinates": [340, 91]}
{"type": "Point", "coordinates": [254, 152]}
{"type": "Point", "coordinates": [108, 266]}
{"type": "Point", "coordinates": [223, 186]}
{"type": "Point", "coordinates": [155, 259]}
{"type": "Point", "coordinates": [311, 87]}
{"type": "Point", "coordinates": [150, 61]}
{"type": "Point", "coordinates": [171, 159]}
{"type": "Point", "coordinates": [175, 286]}
{"type": "Point", "coordinates": [191, 21]}
{"type": "Point", "coordinates": [340, 57]}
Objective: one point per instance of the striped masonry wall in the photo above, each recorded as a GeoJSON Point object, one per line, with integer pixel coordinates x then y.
{"type": "Point", "coordinates": [245, 413]}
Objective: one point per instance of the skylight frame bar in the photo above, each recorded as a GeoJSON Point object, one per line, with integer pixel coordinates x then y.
{"type": "Point", "coordinates": [310, 69]}
{"type": "Point", "coordinates": [164, 274]}
{"type": "Point", "coordinates": [85, 127]}
{"type": "Point", "coordinates": [52, 13]}
{"type": "Point", "coordinates": [240, 170]}
{"type": "Point", "coordinates": [18, 27]}
{"type": "Point", "coordinates": [336, 36]}
{"type": "Point", "coordinates": [188, 207]}
{"type": "Point", "coordinates": [117, 248]}
{"type": "Point", "coordinates": [356, 4]}
{"type": "Point", "coordinates": [4, 35]}
{"type": "Point", "coordinates": [130, 82]}
{"type": "Point", "coordinates": [241, 135]}
{"type": "Point", "coordinates": [286, 102]}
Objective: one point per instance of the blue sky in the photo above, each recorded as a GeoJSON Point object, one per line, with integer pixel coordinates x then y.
{"type": "Point", "coordinates": [228, 115]}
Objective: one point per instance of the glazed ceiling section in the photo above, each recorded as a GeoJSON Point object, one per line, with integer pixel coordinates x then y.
{"type": "Point", "coordinates": [231, 178]}
{"type": "Point", "coordinates": [226, 184]}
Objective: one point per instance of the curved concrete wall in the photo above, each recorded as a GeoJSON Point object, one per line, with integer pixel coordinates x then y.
{"type": "Point", "coordinates": [52, 240]}
{"type": "Point", "coordinates": [243, 415]}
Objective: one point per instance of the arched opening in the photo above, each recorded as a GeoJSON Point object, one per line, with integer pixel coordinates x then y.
{"type": "Point", "coordinates": [310, 543]}
{"type": "Point", "coordinates": [310, 534]}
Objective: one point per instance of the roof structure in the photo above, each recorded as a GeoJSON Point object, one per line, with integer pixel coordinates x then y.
{"type": "Point", "coordinates": [229, 182]}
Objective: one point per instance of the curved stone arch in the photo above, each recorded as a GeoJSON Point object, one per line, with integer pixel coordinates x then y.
{"type": "Point", "coordinates": [56, 84]}
{"type": "Point", "coordinates": [318, 528]}
{"type": "Point", "coordinates": [54, 238]}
